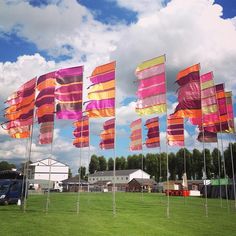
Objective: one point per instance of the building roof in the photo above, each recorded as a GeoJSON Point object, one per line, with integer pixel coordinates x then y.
{"type": "Point", "coordinates": [45, 162]}
{"type": "Point", "coordinates": [144, 181]}
{"type": "Point", "coordinates": [74, 180]}
{"type": "Point", "coordinates": [110, 173]}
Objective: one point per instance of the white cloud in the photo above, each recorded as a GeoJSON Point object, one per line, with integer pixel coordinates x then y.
{"type": "Point", "coordinates": [188, 32]}
{"type": "Point", "coordinates": [141, 7]}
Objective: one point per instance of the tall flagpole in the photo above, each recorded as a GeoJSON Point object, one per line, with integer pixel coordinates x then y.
{"type": "Point", "coordinates": [219, 171]}
{"type": "Point", "coordinates": [167, 159]}
{"type": "Point", "coordinates": [142, 157]}
{"type": "Point", "coordinates": [232, 165]}
{"type": "Point", "coordinates": [27, 168]}
{"type": "Point", "coordinates": [114, 165]}
{"type": "Point", "coordinates": [80, 156]}
{"type": "Point", "coordinates": [114, 175]}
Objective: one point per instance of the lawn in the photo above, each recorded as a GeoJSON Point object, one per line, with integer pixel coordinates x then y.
{"type": "Point", "coordinates": [135, 216]}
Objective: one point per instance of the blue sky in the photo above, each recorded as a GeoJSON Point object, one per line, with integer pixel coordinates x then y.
{"type": "Point", "coordinates": [40, 36]}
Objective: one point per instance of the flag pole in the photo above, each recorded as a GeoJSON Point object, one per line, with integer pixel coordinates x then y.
{"type": "Point", "coordinates": [232, 166]}
{"type": "Point", "coordinates": [142, 157]}
{"type": "Point", "coordinates": [167, 157]}
{"type": "Point", "coordinates": [223, 156]}
{"type": "Point", "coordinates": [80, 155]}
{"type": "Point", "coordinates": [114, 176]}
{"type": "Point", "coordinates": [219, 170]}
{"type": "Point", "coordinates": [27, 167]}
{"type": "Point", "coordinates": [231, 150]}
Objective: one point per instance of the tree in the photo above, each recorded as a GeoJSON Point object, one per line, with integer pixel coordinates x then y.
{"type": "Point", "coordinates": [110, 163]}
{"type": "Point", "coordinates": [152, 165]}
{"type": "Point", "coordinates": [197, 164]}
{"type": "Point", "coordinates": [123, 163]}
{"type": "Point", "coordinates": [172, 166]}
{"type": "Point", "coordinates": [94, 164]}
{"type": "Point", "coordinates": [102, 163]}
{"type": "Point", "coordinates": [4, 165]}
{"type": "Point", "coordinates": [69, 173]}
{"type": "Point", "coordinates": [118, 163]}
{"type": "Point", "coordinates": [82, 172]}
{"type": "Point", "coordinates": [216, 161]}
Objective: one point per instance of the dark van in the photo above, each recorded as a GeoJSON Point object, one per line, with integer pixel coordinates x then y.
{"type": "Point", "coordinates": [10, 187]}
{"type": "Point", "coordinates": [10, 191]}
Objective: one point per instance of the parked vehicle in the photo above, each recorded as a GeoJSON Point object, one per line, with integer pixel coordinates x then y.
{"type": "Point", "coordinates": [11, 187]}
{"type": "Point", "coordinates": [10, 191]}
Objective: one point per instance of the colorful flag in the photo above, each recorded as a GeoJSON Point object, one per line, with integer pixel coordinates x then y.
{"type": "Point", "coordinates": [230, 111]}
{"type": "Point", "coordinates": [69, 93]}
{"type": "Point", "coordinates": [223, 125]}
{"type": "Point", "coordinates": [189, 93]}
{"type": "Point", "coordinates": [108, 135]}
{"type": "Point", "coordinates": [136, 135]}
{"type": "Point", "coordinates": [175, 131]}
{"type": "Point", "coordinates": [153, 135]}
{"type": "Point", "coordinates": [207, 137]}
{"type": "Point", "coordinates": [21, 110]}
{"type": "Point", "coordinates": [102, 92]}
{"type": "Point", "coordinates": [45, 104]}
{"type": "Point", "coordinates": [81, 132]}
{"type": "Point", "coordinates": [152, 86]}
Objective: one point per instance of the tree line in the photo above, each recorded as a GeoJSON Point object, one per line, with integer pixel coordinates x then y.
{"type": "Point", "coordinates": [155, 164]}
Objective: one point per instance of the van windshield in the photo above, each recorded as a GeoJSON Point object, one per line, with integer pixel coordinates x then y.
{"type": "Point", "coordinates": [4, 188]}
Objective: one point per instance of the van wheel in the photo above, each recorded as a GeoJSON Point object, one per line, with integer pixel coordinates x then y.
{"type": "Point", "coordinates": [6, 202]}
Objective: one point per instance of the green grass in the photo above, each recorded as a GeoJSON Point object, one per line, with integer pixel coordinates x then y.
{"type": "Point", "coordinates": [134, 216]}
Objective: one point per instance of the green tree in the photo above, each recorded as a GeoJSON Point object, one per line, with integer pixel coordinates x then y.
{"type": "Point", "coordinates": [216, 159]}
{"type": "Point", "coordinates": [197, 164]}
{"type": "Point", "coordinates": [69, 173]}
{"type": "Point", "coordinates": [102, 163]}
{"type": "Point", "coordinates": [110, 163]}
{"type": "Point", "coordinates": [172, 166]}
{"type": "Point", "coordinates": [4, 165]}
{"type": "Point", "coordinates": [82, 172]}
{"type": "Point", "coordinates": [94, 164]}
{"type": "Point", "coordinates": [152, 165]}
{"type": "Point", "coordinates": [123, 164]}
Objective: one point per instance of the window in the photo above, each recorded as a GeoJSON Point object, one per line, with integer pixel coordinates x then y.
{"type": "Point", "coordinates": [127, 178]}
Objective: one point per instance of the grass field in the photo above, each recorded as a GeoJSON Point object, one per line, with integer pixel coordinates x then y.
{"type": "Point", "coordinates": [135, 216]}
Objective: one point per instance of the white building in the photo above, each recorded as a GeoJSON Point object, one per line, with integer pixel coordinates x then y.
{"type": "Point", "coordinates": [122, 176]}
{"type": "Point", "coordinates": [42, 169]}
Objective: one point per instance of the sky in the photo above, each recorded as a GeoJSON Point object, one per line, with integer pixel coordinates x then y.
{"type": "Point", "coordinates": [37, 37]}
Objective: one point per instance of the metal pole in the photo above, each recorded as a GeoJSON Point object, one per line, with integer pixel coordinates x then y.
{"type": "Point", "coordinates": [233, 173]}
{"type": "Point", "coordinates": [219, 170]}
{"type": "Point", "coordinates": [27, 168]}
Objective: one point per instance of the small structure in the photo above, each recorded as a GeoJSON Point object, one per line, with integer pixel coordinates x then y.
{"type": "Point", "coordinates": [103, 180]}
{"type": "Point", "coordinates": [137, 184]}
{"type": "Point", "coordinates": [122, 176]}
{"type": "Point", "coordinates": [49, 169]}
{"type": "Point", "coordinates": [73, 184]}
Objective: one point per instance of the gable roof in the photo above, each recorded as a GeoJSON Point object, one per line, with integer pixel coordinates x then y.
{"type": "Point", "coordinates": [110, 173]}
{"type": "Point", "coordinates": [45, 162]}
{"type": "Point", "coordinates": [144, 181]}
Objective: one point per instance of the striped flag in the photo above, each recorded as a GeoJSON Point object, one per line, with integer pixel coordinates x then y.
{"type": "Point", "coordinates": [175, 131]}
{"type": "Point", "coordinates": [136, 135]}
{"type": "Point", "coordinates": [151, 86]}
{"type": "Point", "coordinates": [45, 103]}
{"type": "Point", "coordinates": [69, 93]}
{"type": "Point", "coordinates": [21, 110]}
{"type": "Point", "coordinates": [153, 134]}
{"type": "Point", "coordinates": [224, 124]}
{"type": "Point", "coordinates": [81, 132]}
{"type": "Point", "coordinates": [108, 135]}
{"type": "Point", "coordinates": [210, 114]}
{"type": "Point", "coordinates": [102, 92]}
{"type": "Point", "coordinates": [189, 93]}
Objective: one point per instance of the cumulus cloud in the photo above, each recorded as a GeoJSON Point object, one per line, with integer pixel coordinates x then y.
{"type": "Point", "coordinates": [188, 32]}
